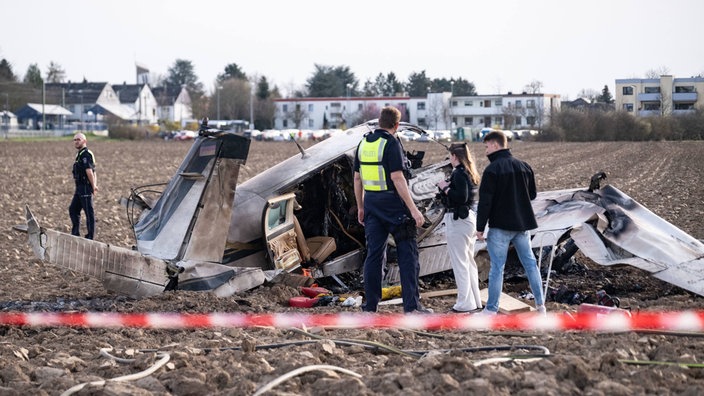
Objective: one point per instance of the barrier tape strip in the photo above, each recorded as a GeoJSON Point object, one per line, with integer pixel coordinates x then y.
{"type": "Point", "coordinates": [587, 321]}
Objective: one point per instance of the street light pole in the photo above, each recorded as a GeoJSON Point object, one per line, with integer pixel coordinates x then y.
{"type": "Point", "coordinates": [80, 94]}
{"type": "Point", "coordinates": [348, 104]}
{"type": "Point", "coordinates": [251, 106]}
{"type": "Point", "coordinates": [218, 92]}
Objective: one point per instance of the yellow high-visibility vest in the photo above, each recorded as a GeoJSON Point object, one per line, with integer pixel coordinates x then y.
{"type": "Point", "coordinates": [371, 170]}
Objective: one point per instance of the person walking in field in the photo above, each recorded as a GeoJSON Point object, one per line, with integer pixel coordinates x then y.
{"type": "Point", "coordinates": [86, 187]}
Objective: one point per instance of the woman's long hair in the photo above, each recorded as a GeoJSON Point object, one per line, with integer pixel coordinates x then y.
{"type": "Point", "coordinates": [461, 150]}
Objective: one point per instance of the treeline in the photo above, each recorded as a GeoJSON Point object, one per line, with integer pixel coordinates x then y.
{"type": "Point", "coordinates": [572, 125]}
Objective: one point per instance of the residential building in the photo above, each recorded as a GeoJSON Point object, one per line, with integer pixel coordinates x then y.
{"type": "Point", "coordinates": [80, 98]}
{"type": "Point", "coordinates": [438, 110]}
{"type": "Point", "coordinates": [140, 99]}
{"type": "Point", "coordinates": [659, 96]}
{"type": "Point", "coordinates": [173, 103]}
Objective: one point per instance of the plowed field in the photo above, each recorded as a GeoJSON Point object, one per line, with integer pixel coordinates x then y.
{"type": "Point", "coordinates": [665, 177]}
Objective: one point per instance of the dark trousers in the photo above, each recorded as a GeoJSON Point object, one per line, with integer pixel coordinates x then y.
{"type": "Point", "coordinates": [383, 215]}
{"type": "Point", "coordinates": [82, 200]}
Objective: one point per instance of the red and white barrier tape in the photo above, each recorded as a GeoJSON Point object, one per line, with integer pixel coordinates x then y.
{"type": "Point", "coordinates": [673, 321]}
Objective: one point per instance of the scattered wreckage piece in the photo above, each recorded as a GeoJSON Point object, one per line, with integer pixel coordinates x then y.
{"type": "Point", "coordinates": [205, 232]}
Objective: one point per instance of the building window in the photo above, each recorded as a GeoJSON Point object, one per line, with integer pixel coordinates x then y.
{"type": "Point", "coordinates": [454, 103]}
{"type": "Point", "coordinates": [335, 104]}
{"type": "Point", "coordinates": [498, 102]}
{"type": "Point", "coordinates": [469, 103]}
{"type": "Point", "coordinates": [311, 124]}
{"type": "Point", "coordinates": [684, 106]}
{"type": "Point", "coordinates": [518, 120]}
{"type": "Point", "coordinates": [285, 124]}
{"type": "Point", "coordinates": [628, 107]}
{"type": "Point", "coordinates": [518, 104]}
{"type": "Point", "coordinates": [421, 121]}
{"type": "Point", "coordinates": [498, 120]}
{"type": "Point", "coordinates": [421, 105]}
{"type": "Point", "coordinates": [651, 106]}
{"type": "Point", "coordinates": [530, 103]}
{"type": "Point", "coordinates": [360, 107]}
{"type": "Point", "coordinates": [284, 108]}
{"type": "Point", "coordinates": [651, 89]}
{"type": "Point", "coordinates": [530, 120]}
{"type": "Point", "coordinates": [310, 108]}
{"type": "Point", "coordinates": [628, 91]}
{"type": "Point", "coordinates": [687, 89]}
{"type": "Point", "coordinates": [468, 121]}
{"type": "Point", "coordinates": [487, 103]}
{"type": "Point", "coordinates": [454, 120]}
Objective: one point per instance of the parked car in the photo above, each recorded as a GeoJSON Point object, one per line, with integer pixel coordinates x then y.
{"type": "Point", "coordinates": [407, 136]}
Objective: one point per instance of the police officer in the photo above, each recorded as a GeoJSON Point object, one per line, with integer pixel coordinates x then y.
{"type": "Point", "coordinates": [86, 187]}
{"type": "Point", "coordinates": [385, 206]}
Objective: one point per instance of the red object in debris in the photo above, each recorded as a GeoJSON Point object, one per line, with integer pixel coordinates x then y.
{"type": "Point", "coordinates": [601, 309]}
{"type": "Point", "coordinates": [302, 302]}
{"type": "Point", "coordinates": [315, 291]}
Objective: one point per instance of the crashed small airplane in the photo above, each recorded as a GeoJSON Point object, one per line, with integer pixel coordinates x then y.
{"type": "Point", "coordinates": [203, 231]}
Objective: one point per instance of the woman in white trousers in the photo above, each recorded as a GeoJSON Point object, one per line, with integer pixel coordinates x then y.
{"type": "Point", "coordinates": [460, 222]}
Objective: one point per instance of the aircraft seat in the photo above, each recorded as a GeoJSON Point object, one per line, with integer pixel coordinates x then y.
{"type": "Point", "coordinates": [313, 249]}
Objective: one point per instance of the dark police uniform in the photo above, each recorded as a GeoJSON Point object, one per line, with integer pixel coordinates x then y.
{"type": "Point", "coordinates": [83, 197]}
{"type": "Point", "coordinates": [384, 214]}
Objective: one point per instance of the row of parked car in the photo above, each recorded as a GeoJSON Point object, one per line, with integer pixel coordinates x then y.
{"type": "Point", "coordinates": [511, 135]}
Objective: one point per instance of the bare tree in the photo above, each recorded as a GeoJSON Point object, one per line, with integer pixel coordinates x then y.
{"type": "Point", "coordinates": [55, 73]}
{"type": "Point", "coordinates": [297, 114]}
{"type": "Point", "coordinates": [665, 104]}
{"type": "Point", "coordinates": [656, 73]}
{"type": "Point", "coordinates": [435, 111]}
{"type": "Point", "coordinates": [534, 87]}
{"type": "Point", "coordinates": [588, 93]}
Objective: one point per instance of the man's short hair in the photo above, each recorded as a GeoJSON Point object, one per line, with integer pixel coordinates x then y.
{"type": "Point", "coordinates": [496, 136]}
{"type": "Point", "coordinates": [389, 117]}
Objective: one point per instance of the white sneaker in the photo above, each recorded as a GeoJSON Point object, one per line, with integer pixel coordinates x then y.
{"type": "Point", "coordinates": [486, 312]}
{"type": "Point", "coordinates": [541, 310]}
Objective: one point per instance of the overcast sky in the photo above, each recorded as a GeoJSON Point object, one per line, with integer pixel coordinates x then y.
{"type": "Point", "coordinates": [499, 45]}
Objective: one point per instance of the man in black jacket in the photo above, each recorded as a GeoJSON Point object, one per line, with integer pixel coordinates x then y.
{"type": "Point", "coordinates": [505, 194]}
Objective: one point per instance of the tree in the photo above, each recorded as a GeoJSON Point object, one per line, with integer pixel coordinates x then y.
{"type": "Point", "coordinates": [6, 73]}
{"type": "Point", "coordinates": [328, 81]}
{"type": "Point", "coordinates": [588, 93]}
{"type": "Point", "coordinates": [605, 96]}
{"type": "Point", "coordinates": [182, 73]}
{"type": "Point", "coordinates": [231, 71]}
{"type": "Point", "coordinates": [418, 84]}
{"type": "Point", "coordinates": [263, 89]}
{"type": "Point", "coordinates": [533, 87]}
{"type": "Point", "coordinates": [462, 87]}
{"type": "Point", "coordinates": [656, 73]}
{"type": "Point", "coordinates": [33, 76]}
{"type": "Point", "coordinates": [55, 73]}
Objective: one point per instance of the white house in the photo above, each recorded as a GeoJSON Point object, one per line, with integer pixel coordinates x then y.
{"type": "Point", "coordinates": [140, 99]}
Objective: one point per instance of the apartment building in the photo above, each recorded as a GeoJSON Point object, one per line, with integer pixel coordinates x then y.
{"type": "Point", "coordinates": [659, 96]}
{"type": "Point", "coordinates": [439, 111]}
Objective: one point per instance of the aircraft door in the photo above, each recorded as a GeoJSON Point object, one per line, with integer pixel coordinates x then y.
{"type": "Point", "coordinates": [279, 232]}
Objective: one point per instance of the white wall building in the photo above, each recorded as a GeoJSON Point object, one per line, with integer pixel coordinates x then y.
{"type": "Point", "coordinates": [438, 111]}
{"type": "Point", "coordinates": [659, 96]}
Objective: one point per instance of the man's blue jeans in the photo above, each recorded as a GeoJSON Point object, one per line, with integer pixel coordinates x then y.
{"type": "Point", "coordinates": [497, 243]}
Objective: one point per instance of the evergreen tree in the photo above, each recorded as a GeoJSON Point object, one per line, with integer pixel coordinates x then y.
{"type": "Point", "coordinates": [328, 81]}
{"type": "Point", "coordinates": [418, 84]}
{"type": "Point", "coordinates": [6, 73]}
{"type": "Point", "coordinates": [183, 73]}
{"type": "Point", "coordinates": [231, 71]}
{"type": "Point", "coordinates": [33, 76]}
{"type": "Point", "coordinates": [605, 96]}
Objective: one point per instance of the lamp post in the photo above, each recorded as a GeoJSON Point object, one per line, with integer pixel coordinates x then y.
{"type": "Point", "coordinates": [452, 94]}
{"type": "Point", "coordinates": [251, 106]}
{"type": "Point", "coordinates": [348, 104]}
{"type": "Point", "coordinates": [218, 92]}
{"type": "Point", "coordinates": [80, 94]}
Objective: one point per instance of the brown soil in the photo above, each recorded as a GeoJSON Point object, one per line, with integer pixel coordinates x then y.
{"type": "Point", "coordinates": [666, 177]}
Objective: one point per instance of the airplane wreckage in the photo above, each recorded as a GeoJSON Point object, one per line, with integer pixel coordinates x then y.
{"type": "Point", "coordinates": [203, 231]}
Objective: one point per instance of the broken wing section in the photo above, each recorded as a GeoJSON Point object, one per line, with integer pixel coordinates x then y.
{"type": "Point", "coordinates": [121, 270]}
{"type": "Point", "coordinates": [190, 221]}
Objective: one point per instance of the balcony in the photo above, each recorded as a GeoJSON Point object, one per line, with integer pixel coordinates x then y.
{"type": "Point", "coordinates": [649, 97]}
{"type": "Point", "coordinates": [684, 97]}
